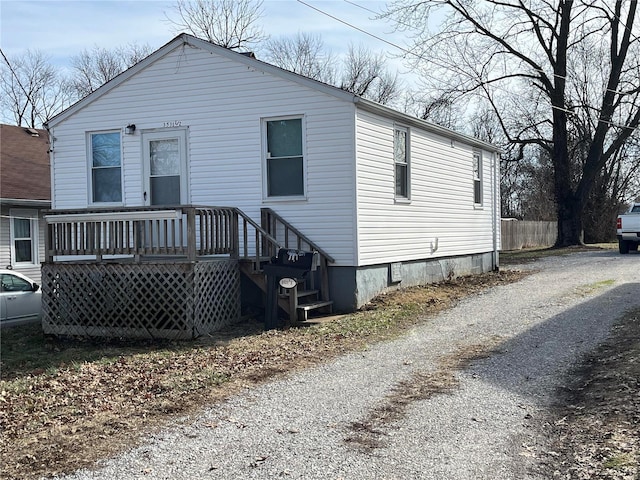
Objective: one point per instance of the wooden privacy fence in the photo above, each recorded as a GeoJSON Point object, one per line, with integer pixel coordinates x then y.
{"type": "Point", "coordinates": [517, 234]}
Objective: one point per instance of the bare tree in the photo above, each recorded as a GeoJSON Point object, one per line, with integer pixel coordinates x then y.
{"type": "Point", "coordinates": [93, 68]}
{"type": "Point", "coordinates": [365, 73]}
{"type": "Point", "coordinates": [519, 56]}
{"type": "Point", "coordinates": [303, 54]}
{"type": "Point", "coordinates": [231, 24]}
{"type": "Point", "coordinates": [32, 89]}
{"type": "Point", "coordinates": [440, 109]}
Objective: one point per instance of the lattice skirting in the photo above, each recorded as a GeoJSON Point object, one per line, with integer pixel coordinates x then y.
{"type": "Point", "coordinates": [140, 300]}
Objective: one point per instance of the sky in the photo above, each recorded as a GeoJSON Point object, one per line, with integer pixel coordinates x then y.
{"type": "Point", "coordinates": [62, 29]}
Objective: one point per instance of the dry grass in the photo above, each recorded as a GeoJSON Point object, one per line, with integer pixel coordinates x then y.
{"type": "Point", "coordinates": [535, 253]}
{"type": "Point", "coordinates": [68, 403]}
{"type": "Point", "coordinates": [595, 426]}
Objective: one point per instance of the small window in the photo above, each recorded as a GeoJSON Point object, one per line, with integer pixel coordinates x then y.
{"type": "Point", "coordinates": [284, 158]}
{"type": "Point", "coordinates": [24, 237]}
{"type": "Point", "coordinates": [106, 168]}
{"type": "Point", "coordinates": [477, 178]}
{"type": "Point", "coordinates": [401, 161]}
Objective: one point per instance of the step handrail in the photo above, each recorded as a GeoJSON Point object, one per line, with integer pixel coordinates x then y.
{"type": "Point", "coordinates": [268, 213]}
{"type": "Point", "coordinates": [266, 246]}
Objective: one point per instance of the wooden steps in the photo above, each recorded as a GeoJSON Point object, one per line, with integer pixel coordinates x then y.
{"type": "Point", "coordinates": [297, 302]}
{"type": "Point", "coordinates": [304, 309]}
{"type": "Point", "coordinates": [304, 301]}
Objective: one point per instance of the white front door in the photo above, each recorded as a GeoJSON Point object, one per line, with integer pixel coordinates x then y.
{"type": "Point", "coordinates": [165, 167]}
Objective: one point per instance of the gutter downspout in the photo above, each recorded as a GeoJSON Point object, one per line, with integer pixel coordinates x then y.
{"type": "Point", "coordinates": [494, 213]}
{"type": "Point", "coordinates": [52, 141]}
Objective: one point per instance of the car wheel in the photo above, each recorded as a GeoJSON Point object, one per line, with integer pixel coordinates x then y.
{"type": "Point", "coordinates": [623, 246]}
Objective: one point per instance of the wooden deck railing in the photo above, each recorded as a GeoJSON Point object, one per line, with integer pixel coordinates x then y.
{"type": "Point", "coordinates": [187, 231]}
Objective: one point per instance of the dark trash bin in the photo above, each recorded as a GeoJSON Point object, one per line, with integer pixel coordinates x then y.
{"type": "Point", "coordinates": [289, 263]}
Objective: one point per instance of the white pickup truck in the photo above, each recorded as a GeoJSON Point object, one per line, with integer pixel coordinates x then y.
{"type": "Point", "coordinates": [628, 229]}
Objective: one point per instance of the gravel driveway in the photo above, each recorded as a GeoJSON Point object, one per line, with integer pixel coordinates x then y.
{"type": "Point", "coordinates": [487, 427]}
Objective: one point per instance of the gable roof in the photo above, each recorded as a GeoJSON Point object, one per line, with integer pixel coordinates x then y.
{"type": "Point", "coordinates": [24, 164]}
{"type": "Point", "coordinates": [185, 39]}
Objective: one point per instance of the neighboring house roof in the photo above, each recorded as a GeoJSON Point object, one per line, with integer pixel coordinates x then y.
{"type": "Point", "coordinates": [250, 60]}
{"type": "Point", "coordinates": [24, 166]}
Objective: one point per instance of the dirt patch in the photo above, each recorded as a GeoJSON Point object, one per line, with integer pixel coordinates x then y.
{"type": "Point", "coordinates": [595, 426]}
{"type": "Point", "coordinates": [370, 432]}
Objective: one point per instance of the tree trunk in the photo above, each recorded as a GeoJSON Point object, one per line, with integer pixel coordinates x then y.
{"type": "Point", "coordinates": [570, 230]}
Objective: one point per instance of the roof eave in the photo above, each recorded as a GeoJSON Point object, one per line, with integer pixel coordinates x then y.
{"type": "Point", "coordinates": [374, 107]}
{"type": "Point", "coordinates": [25, 202]}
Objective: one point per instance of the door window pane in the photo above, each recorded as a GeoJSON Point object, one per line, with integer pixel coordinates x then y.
{"type": "Point", "coordinates": [165, 190]}
{"type": "Point", "coordinates": [165, 157]}
{"type": "Point", "coordinates": [164, 166]}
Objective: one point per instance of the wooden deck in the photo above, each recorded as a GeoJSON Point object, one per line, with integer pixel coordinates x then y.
{"type": "Point", "coordinates": [169, 272]}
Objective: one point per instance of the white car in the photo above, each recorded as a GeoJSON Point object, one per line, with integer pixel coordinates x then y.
{"type": "Point", "coordinates": [20, 299]}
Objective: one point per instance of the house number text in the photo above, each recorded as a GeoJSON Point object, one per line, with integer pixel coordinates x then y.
{"type": "Point", "coordinates": [172, 123]}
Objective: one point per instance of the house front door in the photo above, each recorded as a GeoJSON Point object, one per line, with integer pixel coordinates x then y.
{"type": "Point", "coordinates": [165, 167]}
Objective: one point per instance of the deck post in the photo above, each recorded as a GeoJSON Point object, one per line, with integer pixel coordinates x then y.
{"type": "Point", "coordinates": [191, 234]}
{"type": "Point", "coordinates": [48, 243]}
{"type": "Point", "coordinates": [234, 234]}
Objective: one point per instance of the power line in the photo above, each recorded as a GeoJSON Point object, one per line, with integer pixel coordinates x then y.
{"type": "Point", "coordinates": [362, 7]}
{"type": "Point", "coordinates": [344, 22]}
{"type": "Point", "coordinates": [409, 52]}
{"type": "Point", "coordinates": [15, 75]}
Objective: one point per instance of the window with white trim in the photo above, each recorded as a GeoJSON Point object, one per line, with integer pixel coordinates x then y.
{"type": "Point", "coordinates": [401, 161]}
{"type": "Point", "coordinates": [24, 237]}
{"type": "Point", "coordinates": [284, 157]}
{"type": "Point", "coordinates": [477, 178]}
{"type": "Point", "coordinates": [105, 159]}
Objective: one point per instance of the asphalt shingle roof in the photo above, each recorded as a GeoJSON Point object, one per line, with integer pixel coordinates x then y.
{"type": "Point", "coordinates": [24, 164]}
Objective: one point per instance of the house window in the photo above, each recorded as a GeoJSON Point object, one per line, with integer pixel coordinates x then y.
{"type": "Point", "coordinates": [24, 237]}
{"type": "Point", "coordinates": [477, 178]}
{"type": "Point", "coordinates": [284, 157]}
{"type": "Point", "coordinates": [106, 171]}
{"type": "Point", "coordinates": [401, 161]}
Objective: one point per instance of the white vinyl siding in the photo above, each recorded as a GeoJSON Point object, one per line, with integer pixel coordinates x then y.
{"type": "Point", "coordinates": [223, 121]}
{"type": "Point", "coordinates": [349, 206]}
{"type": "Point", "coordinates": [440, 213]}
